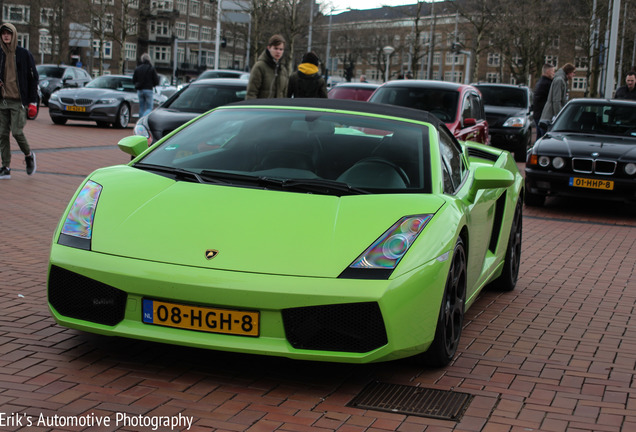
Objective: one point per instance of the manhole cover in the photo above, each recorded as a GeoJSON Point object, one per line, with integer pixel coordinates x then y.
{"type": "Point", "coordinates": [418, 401]}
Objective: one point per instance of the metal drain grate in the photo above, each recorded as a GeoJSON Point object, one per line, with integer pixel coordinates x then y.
{"type": "Point", "coordinates": [418, 401]}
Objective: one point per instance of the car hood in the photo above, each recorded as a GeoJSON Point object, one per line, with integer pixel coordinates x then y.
{"type": "Point", "coordinates": [91, 93]}
{"type": "Point", "coordinates": [583, 145]}
{"type": "Point", "coordinates": [162, 121]}
{"type": "Point", "coordinates": [505, 111]}
{"type": "Point", "coordinates": [253, 230]}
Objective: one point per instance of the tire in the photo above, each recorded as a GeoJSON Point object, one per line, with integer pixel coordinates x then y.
{"type": "Point", "coordinates": [520, 152]}
{"type": "Point", "coordinates": [508, 278]}
{"type": "Point", "coordinates": [451, 314]}
{"type": "Point", "coordinates": [59, 120]}
{"type": "Point", "coordinates": [103, 124]}
{"type": "Point", "coordinates": [534, 200]}
{"type": "Point", "coordinates": [123, 117]}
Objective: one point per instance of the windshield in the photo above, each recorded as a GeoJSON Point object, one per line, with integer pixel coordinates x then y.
{"type": "Point", "coordinates": [504, 96]}
{"type": "Point", "coordinates": [597, 118]}
{"type": "Point", "coordinates": [50, 71]}
{"type": "Point", "coordinates": [441, 103]}
{"type": "Point", "coordinates": [202, 98]}
{"type": "Point", "coordinates": [245, 146]}
{"type": "Point", "coordinates": [120, 83]}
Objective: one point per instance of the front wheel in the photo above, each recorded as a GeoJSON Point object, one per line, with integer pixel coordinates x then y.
{"type": "Point", "coordinates": [451, 314]}
{"type": "Point", "coordinates": [59, 120]}
{"type": "Point", "coordinates": [123, 117]}
{"type": "Point", "coordinates": [510, 273]}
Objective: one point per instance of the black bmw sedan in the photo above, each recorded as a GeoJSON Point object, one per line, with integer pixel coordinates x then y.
{"type": "Point", "coordinates": [589, 151]}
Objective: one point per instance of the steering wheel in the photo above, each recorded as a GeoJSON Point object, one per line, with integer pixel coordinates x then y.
{"type": "Point", "coordinates": [396, 167]}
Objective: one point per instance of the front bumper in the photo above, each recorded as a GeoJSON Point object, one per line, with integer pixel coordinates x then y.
{"type": "Point", "coordinates": [105, 113]}
{"type": "Point", "coordinates": [549, 183]}
{"type": "Point", "coordinates": [290, 308]}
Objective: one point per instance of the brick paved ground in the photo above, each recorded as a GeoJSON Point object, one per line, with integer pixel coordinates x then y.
{"type": "Point", "coordinates": [557, 354]}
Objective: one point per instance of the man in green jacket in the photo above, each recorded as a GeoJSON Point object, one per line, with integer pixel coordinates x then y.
{"type": "Point", "coordinates": [269, 77]}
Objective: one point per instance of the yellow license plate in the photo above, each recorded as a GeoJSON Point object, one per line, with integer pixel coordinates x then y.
{"type": "Point", "coordinates": [75, 108]}
{"type": "Point", "coordinates": [206, 319]}
{"type": "Point", "coordinates": [591, 183]}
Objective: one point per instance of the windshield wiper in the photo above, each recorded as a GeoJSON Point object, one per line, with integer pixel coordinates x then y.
{"type": "Point", "coordinates": [319, 186]}
{"type": "Point", "coordinates": [178, 173]}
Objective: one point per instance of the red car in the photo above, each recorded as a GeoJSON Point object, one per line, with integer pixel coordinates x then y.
{"type": "Point", "coordinates": [352, 91]}
{"type": "Point", "coordinates": [458, 105]}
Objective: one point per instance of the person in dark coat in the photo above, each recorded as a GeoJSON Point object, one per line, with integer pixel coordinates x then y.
{"type": "Point", "coordinates": [145, 79]}
{"type": "Point", "coordinates": [540, 95]}
{"type": "Point", "coordinates": [307, 82]}
{"type": "Point", "coordinates": [627, 91]}
{"type": "Point", "coordinates": [269, 77]}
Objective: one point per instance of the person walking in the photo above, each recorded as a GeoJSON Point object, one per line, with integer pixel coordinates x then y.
{"type": "Point", "coordinates": [540, 95]}
{"type": "Point", "coordinates": [268, 77]}
{"type": "Point", "coordinates": [628, 91]}
{"type": "Point", "coordinates": [558, 94]}
{"type": "Point", "coordinates": [307, 82]}
{"type": "Point", "coordinates": [18, 88]}
{"type": "Point", "coordinates": [145, 79]}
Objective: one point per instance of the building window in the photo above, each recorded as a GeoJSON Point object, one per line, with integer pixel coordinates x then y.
{"type": "Point", "coordinates": [46, 42]}
{"type": "Point", "coordinates": [494, 59]}
{"type": "Point", "coordinates": [130, 51]}
{"type": "Point", "coordinates": [107, 49]}
{"type": "Point", "coordinates": [207, 10]}
{"type": "Point", "coordinates": [182, 6]}
{"type": "Point", "coordinates": [206, 33]}
{"type": "Point", "coordinates": [493, 77]}
{"type": "Point", "coordinates": [17, 14]}
{"type": "Point", "coordinates": [23, 40]}
{"type": "Point", "coordinates": [180, 30]}
{"type": "Point", "coordinates": [552, 59]}
{"type": "Point", "coordinates": [165, 5]}
{"type": "Point", "coordinates": [457, 77]}
{"type": "Point", "coordinates": [457, 59]}
{"type": "Point", "coordinates": [193, 32]}
{"type": "Point", "coordinates": [159, 28]}
{"type": "Point", "coordinates": [437, 58]}
{"type": "Point", "coordinates": [47, 15]}
{"type": "Point", "coordinates": [131, 25]}
{"type": "Point", "coordinates": [106, 2]}
{"type": "Point", "coordinates": [133, 4]}
{"type": "Point", "coordinates": [581, 62]}
{"type": "Point", "coordinates": [159, 53]}
{"type": "Point", "coordinates": [195, 9]}
{"type": "Point", "coordinates": [103, 24]}
{"type": "Point", "coordinates": [579, 84]}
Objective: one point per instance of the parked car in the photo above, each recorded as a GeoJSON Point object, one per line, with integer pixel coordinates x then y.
{"type": "Point", "coordinates": [509, 113]}
{"type": "Point", "coordinates": [165, 88]}
{"type": "Point", "coordinates": [352, 91]}
{"type": "Point", "coordinates": [279, 227]}
{"type": "Point", "coordinates": [108, 99]}
{"type": "Point", "coordinates": [200, 96]}
{"type": "Point", "coordinates": [459, 106]}
{"type": "Point", "coordinates": [223, 73]}
{"type": "Point", "coordinates": [54, 77]}
{"type": "Point", "coordinates": [589, 152]}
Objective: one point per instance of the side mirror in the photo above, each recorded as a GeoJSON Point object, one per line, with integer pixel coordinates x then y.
{"type": "Point", "coordinates": [488, 177]}
{"type": "Point", "coordinates": [470, 122]}
{"type": "Point", "coordinates": [134, 145]}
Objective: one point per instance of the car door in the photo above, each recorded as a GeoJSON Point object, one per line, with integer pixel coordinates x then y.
{"type": "Point", "coordinates": [472, 121]}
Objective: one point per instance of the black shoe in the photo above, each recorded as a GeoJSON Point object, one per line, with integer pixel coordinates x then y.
{"type": "Point", "coordinates": [5, 173]}
{"type": "Point", "coordinates": [30, 164]}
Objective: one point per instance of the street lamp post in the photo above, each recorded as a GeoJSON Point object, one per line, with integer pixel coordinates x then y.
{"type": "Point", "coordinates": [43, 33]}
{"type": "Point", "coordinates": [388, 50]}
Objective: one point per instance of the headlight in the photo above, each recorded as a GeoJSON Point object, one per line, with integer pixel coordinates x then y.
{"type": "Point", "coordinates": [515, 122]}
{"type": "Point", "coordinates": [108, 101]}
{"type": "Point", "coordinates": [54, 96]}
{"type": "Point", "coordinates": [630, 169]}
{"type": "Point", "coordinates": [142, 129]}
{"type": "Point", "coordinates": [558, 162]}
{"type": "Point", "coordinates": [78, 226]}
{"type": "Point", "coordinates": [544, 161]}
{"type": "Point", "coordinates": [387, 251]}
{"type": "Point", "coordinates": [44, 84]}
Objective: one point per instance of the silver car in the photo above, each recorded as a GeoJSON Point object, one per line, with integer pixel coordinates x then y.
{"type": "Point", "coordinates": [108, 99]}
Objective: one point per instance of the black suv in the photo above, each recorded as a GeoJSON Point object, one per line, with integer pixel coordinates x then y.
{"type": "Point", "coordinates": [54, 77]}
{"type": "Point", "coordinates": [509, 113]}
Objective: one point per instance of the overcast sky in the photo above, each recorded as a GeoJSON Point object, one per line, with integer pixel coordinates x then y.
{"type": "Point", "coordinates": [362, 4]}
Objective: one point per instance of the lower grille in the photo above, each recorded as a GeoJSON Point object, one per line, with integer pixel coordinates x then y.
{"type": "Point", "coordinates": [77, 296]}
{"type": "Point", "coordinates": [350, 327]}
